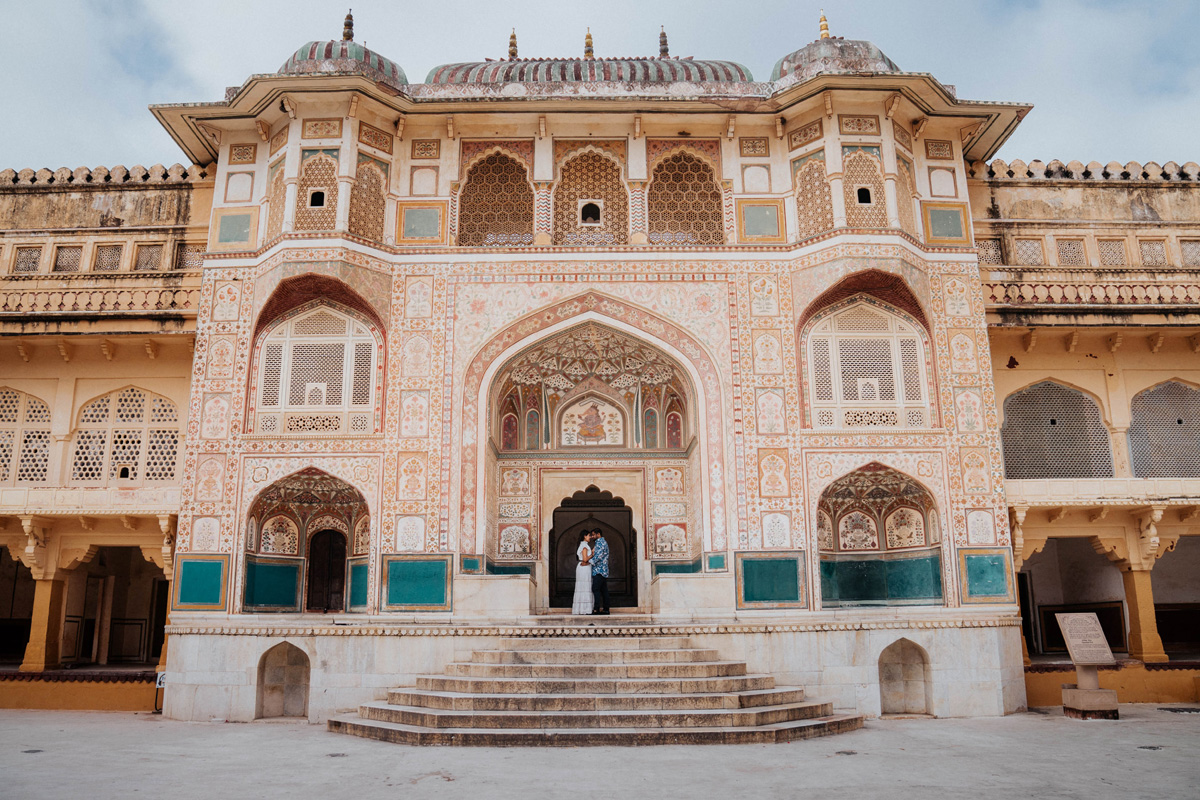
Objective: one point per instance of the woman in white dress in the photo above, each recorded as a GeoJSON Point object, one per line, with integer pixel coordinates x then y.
{"type": "Point", "coordinates": [582, 602]}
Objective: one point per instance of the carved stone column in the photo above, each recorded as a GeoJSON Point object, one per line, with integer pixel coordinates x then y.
{"type": "Point", "coordinates": [45, 629]}
{"type": "Point", "coordinates": [1144, 641]}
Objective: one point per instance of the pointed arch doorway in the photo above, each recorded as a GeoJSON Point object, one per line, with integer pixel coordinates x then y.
{"type": "Point", "coordinates": [590, 509]}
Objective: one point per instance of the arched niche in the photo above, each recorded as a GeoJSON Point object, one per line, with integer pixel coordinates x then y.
{"type": "Point", "coordinates": [878, 540]}
{"type": "Point", "coordinates": [283, 682]}
{"type": "Point", "coordinates": [311, 547]}
{"type": "Point", "coordinates": [905, 680]}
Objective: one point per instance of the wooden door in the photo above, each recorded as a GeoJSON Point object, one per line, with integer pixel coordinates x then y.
{"type": "Point", "coordinates": [588, 510]}
{"type": "Point", "coordinates": [327, 572]}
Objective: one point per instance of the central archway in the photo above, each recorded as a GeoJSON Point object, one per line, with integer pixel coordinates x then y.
{"type": "Point", "coordinates": [594, 509]}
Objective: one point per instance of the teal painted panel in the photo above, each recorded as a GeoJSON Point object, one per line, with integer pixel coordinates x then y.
{"type": "Point", "coordinates": [987, 575]}
{"type": "Point", "coordinates": [200, 582]}
{"type": "Point", "coordinates": [717, 563]}
{"type": "Point", "coordinates": [470, 564]}
{"type": "Point", "coordinates": [861, 581]}
{"type": "Point", "coordinates": [770, 580]}
{"type": "Point", "coordinates": [234, 229]}
{"type": "Point", "coordinates": [358, 585]}
{"type": "Point", "coordinates": [915, 579]}
{"type": "Point", "coordinates": [273, 584]}
{"type": "Point", "coordinates": [417, 583]}
{"type": "Point", "coordinates": [829, 581]}
{"type": "Point", "coordinates": [509, 569]}
{"type": "Point", "coordinates": [676, 567]}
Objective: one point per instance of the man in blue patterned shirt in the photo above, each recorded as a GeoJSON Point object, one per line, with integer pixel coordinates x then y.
{"type": "Point", "coordinates": [599, 571]}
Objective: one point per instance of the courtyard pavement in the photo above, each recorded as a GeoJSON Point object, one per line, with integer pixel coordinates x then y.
{"type": "Point", "coordinates": [1149, 753]}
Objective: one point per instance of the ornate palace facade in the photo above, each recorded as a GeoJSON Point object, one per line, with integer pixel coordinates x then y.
{"type": "Point", "coordinates": [849, 401]}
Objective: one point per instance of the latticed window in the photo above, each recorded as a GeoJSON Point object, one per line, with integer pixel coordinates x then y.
{"type": "Point", "coordinates": [189, 256]}
{"type": "Point", "coordinates": [591, 179]}
{"type": "Point", "coordinates": [24, 438]}
{"type": "Point", "coordinates": [905, 195]}
{"type": "Point", "coordinates": [495, 208]}
{"type": "Point", "coordinates": [684, 202]}
{"type": "Point", "coordinates": [128, 437]}
{"type": "Point", "coordinates": [317, 373]}
{"type": "Point", "coordinates": [1164, 432]}
{"type": "Point", "coordinates": [368, 199]}
{"type": "Point", "coordinates": [27, 259]}
{"type": "Point", "coordinates": [866, 368]}
{"type": "Point", "coordinates": [108, 258]}
{"type": "Point", "coordinates": [1051, 431]}
{"type": "Point", "coordinates": [317, 198]}
{"type": "Point", "coordinates": [1029, 253]}
{"type": "Point", "coordinates": [276, 197]}
{"type": "Point", "coordinates": [989, 251]}
{"type": "Point", "coordinates": [1071, 253]}
{"type": "Point", "coordinates": [68, 258]}
{"type": "Point", "coordinates": [862, 179]}
{"type": "Point", "coordinates": [1190, 249]}
{"type": "Point", "coordinates": [1154, 254]}
{"type": "Point", "coordinates": [149, 257]}
{"type": "Point", "coordinates": [814, 203]}
{"type": "Point", "coordinates": [1112, 253]}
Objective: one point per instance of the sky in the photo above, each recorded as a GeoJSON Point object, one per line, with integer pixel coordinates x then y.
{"type": "Point", "coordinates": [1111, 80]}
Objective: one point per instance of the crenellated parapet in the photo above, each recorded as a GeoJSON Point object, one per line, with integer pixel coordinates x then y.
{"type": "Point", "coordinates": [1093, 171]}
{"type": "Point", "coordinates": [106, 176]}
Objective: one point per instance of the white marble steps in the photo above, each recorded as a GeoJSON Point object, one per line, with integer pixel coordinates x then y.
{"type": "Point", "coordinates": [594, 689]}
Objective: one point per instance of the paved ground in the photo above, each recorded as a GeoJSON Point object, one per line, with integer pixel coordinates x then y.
{"type": "Point", "coordinates": [1149, 753]}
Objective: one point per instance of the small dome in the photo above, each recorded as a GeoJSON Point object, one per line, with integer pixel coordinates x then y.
{"type": "Point", "coordinates": [833, 55]}
{"type": "Point", "coordinates": [344, 56]}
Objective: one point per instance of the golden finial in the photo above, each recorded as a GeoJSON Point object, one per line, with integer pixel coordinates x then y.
{"type": "Point", "coordinates": [588, 52]}
{"type": "Point", "coordinates": [824, 25]}
{"type": "Point", "coordinates": [663, 50]}
{"type": "Point", "coordinates": [348, 27]}
{"type": "Point", "coordinates": [512, 45]}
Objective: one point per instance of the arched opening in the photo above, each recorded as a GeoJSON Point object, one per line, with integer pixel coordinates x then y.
{"type": "Point", "coordinates": [1053, 431]}
{"type": "Point", "coordinates": [24, 438]}
{"type": "Point", "coordinates": [326, 572]}
{"type": "Point", "coordinates": [307, 545]}
{"type": "Point", "coordinates": [126, 438]}
{"type": "Point", "coordinates": [864, 195]}
{"type": "Point", "coordinates": [495, 206]}
{"type": "Point", "coordinates": [589, 213]}
{"type": "Point", "coordinates": [283, 680]}
{"type": "Point", "coordinates": [683, 202]}
{"type": "Point", "coordinates": [594, 509]}
{"type": "Point", "coordinates": [1164, 432]}
{"type": "Point", "coordinates": [905, 680]}
{"type": "Point", "coordinates": [879, 541]}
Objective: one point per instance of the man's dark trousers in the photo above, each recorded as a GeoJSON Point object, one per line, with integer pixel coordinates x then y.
{"type": "Point", "coordinates": [600, 592]}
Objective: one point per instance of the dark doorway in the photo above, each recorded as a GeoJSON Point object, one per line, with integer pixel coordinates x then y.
{"type": "Point", "coordinates": [593, 508]}
{"type": "Point", "coordinates": [327, 571]}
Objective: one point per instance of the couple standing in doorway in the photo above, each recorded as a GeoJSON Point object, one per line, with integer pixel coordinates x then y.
{"type": "Point", "coordinates": [591, 576]}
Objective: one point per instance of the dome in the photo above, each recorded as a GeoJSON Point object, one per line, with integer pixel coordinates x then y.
{"type": "Point", "coordinates": [833, 55]}
{"type": "Point", "coordinates": [346, 56]}
{"type": "Point", "coordinates": [579, 70]}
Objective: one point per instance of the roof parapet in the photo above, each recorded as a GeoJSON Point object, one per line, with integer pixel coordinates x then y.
{"type": "Point", "coordinates": [1094, 171]}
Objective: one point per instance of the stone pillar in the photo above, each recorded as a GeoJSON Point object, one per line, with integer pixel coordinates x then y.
{"type": "Point", "coordinates": [638, 222]}
{"type": "Point", "coordinates": [1144, 642]}
{"type": "Point", "coordinates": [45, 629]}
{"type": "Point", "coordinates": [543, 214]}
{"type": "Point", "coordinates": [891, 198]}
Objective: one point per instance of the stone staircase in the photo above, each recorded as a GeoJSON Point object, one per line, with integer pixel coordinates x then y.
{"type": "Point", "coordinates": [594, 690]}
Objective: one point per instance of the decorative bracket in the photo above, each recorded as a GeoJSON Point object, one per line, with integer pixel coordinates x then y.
{"type": "Point", "coordinates": [1148, 539]}
{"type": "Point", "coordinates": [542, 126]}
{"type": "Point", "coordinates": [353, 110]}
{"type": "Point", "coordinates": [1155, 340]}
{"type": "Point", "coordinates": [1055, 514]}
{"type": "Point", "coordinates": [151, 348]}
{"type": "Point", "coordinates": [108, 349]}
{"type": "Point", "coordinates": [450, 126]}
{"type": "Point", "coordinates": [64, 350]}
{"type": "Point", "coordinates": [919, 126]}
{"type": "Point", "coordinates": [893, 103]}
{"type": "Point", "coordinates": [637, 126]}
{"type": "Point", "coordinates": [731, 127]}
{"type": "Point", "coordinates": [828, 97]}
{"type": "Point", "coordinates": [288, 106]}
{"type": "Point", "coordinates": [1114, 549]}
{"type": "Point", "coordinates": [129, 523]}
{"type": "Point", "coordinates": [1029, 340]}
{"type": "Point", "coordinates": [400, 127]}
{"type": "Point", "coordinates": [73, 557]}
{"type": "Point", "coordinates": [780, 123]}
{"type": "Point", "coordinates": [23, 351]}
{"type": "Point", "coordinates": [1071, 340]}
{"type": "Point", "coordinates": [264, 130]}
{"type": "Point", "coordinates": [1114, 341]}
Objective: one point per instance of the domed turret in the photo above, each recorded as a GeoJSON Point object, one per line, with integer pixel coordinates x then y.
{"type": "Point", "coordinates": [833, 55]}
{"type": "Point", "coordinates": [344, 56]}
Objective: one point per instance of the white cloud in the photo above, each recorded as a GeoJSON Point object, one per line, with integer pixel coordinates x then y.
{"type": "Point", "coordinates": [1111, 80]}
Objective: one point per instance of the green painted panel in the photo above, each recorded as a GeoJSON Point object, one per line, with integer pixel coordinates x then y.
{"type": "Point", "coordinates": [200, 582]}
{"type": "Point", "coordinates": [760, 220]}
{"type": "Point", "coordinates": [915, 579]}
{"type": "Point", "coordinates": [470, 564]}
{"type": "Point", "coordinates": [273, 584]}
{"type": "Point", "coordinates": [829, 581]}
{"type": "Point", "coordinates": [946, 223]}
{"type": "Point", "coordinates": [509, 569]}
{"type": "Point", "coordinates": [422, 223]}
{"type": "Point", "coordinates": [234, 229]}
{"type": "Point", "coordinates": [862, 581]}
{"type": "Point", "coordinates": [676, 567]}
{"type": "Point", "coordinates": [716, 562]}
{"type": "Point", "coordinates": [987, 575]}
{"type": "Point", "coordinates": [414, 582]}
{"type": "Point", "coordinates": [770, 580]}
{"type": "Point", "coordinates": [358, 585]}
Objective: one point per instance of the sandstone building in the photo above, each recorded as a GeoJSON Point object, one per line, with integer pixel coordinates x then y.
{"type": "Point", "coordinates": [853, 402]}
